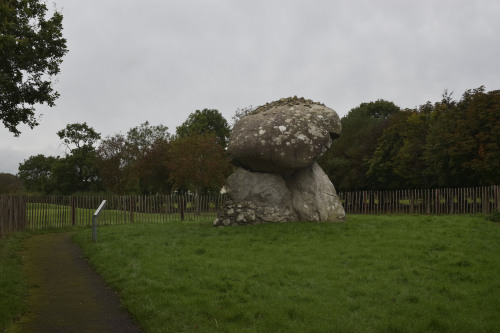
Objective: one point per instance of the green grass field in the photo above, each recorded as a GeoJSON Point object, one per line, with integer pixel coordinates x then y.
{"type": "Point", "coordinates": [371, 274]}
{"type": "Point", "coordinates": [13, 286]}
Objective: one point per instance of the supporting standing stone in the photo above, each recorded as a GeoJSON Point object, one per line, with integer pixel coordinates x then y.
{"type": "Point", "coordinates": [314, 197]}
{"type": "Point", "coordinates": [256, 198]}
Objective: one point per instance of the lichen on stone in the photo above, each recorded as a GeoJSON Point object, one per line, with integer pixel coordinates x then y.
{"type": "Point", "coordinates": [290, 101]}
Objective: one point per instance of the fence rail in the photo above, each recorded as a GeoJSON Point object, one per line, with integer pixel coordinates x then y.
{"type": "Point", "coordinates": [36, 212]}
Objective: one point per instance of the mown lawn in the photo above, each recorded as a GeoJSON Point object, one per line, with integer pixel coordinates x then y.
{"type": "Point", "coordinates": [370, 274]}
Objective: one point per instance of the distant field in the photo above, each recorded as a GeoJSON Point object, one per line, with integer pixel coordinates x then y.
{"type": "Point", "coordinates": [41, 216]}
{"type": "Point", "coordinates": [371, 274]}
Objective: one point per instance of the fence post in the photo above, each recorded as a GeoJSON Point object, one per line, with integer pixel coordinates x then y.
{"type": "Point", "coordinates": [497, 199]}
{"type": "Point", "coordinates": [412, 196]}
{"type": "Point", "coordinates": [73, 211]}
{"type": "Point", "coordinates": [484, 200]}
{"type": "Point", "coordinates": [131, 210]}
{"type": "Point", "coordinates": [363, 208]}
{"type": "Point", "coordinates": [438, 202]}
{"type": "Point", "coordinates": [181, 206]}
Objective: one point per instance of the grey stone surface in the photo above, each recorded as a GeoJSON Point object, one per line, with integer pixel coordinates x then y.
{"type": "Point", "coordinates": [247, 212]}
{"type": "Point", "coordinates": [283, 136]}
{"type": "Point", "coordinates": [259, 187]}
{"type": "Point", "coordinates": [313, 196]}
{"type": "Point", "coordinates": [257, 197]}
{"type": "Point", "coordinates": [276, 147]}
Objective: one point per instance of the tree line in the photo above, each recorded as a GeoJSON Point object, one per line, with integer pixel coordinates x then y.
{"type": "Point", "coordinates": [449, 143]}
{"type": "Point", "coordinates": [145, 160]}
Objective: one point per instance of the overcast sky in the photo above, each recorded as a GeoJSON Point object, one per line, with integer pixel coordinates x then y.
{"type": "Point", "coordinates": [132, 61]}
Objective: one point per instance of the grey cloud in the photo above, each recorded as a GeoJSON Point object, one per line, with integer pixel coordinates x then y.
{"type": "Point", "coordinates": [161, 60]}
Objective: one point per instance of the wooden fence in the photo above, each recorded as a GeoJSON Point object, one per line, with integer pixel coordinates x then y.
{"type": "Point", "coordinates": [35, 212]}
{"type": "Point", "coordinates": [470, 201]}
{"type": "Point", "coordinates": [12, 213]}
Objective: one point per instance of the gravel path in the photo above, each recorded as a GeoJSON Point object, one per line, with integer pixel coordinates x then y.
{"type": "Point", "coordinates": [66, 294]}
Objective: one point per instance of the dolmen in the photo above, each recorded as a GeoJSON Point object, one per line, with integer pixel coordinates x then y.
{"type": "Point", "coordinates": [277, 179]}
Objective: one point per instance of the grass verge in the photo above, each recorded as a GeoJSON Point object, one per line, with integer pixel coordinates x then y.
{"type": "Point", "coordinates": [13, 286]}
{"type": "Point", "coordinates": [371, 274]}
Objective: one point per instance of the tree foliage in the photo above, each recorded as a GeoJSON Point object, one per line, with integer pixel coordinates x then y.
{"type": "Point", "coordinates": [76, 136]}
{"type": "Point", "coordinates": [382, 147]}
{"type": "Point", "coordinates": [446, 144]}
{"type": "Point", "coordinates": [111, 161]}
{"type": "Point", "coordinates": [397, 161]}
{"type": "Point", "coordinates": [463, 141]}
{"type": "Point", "coordinates": [206, 121]}
{"type": "Point", "coordinates": [198, 163]}
{"type": "Point", "coordinates": [31, 49]}
{"type": "Point", "coordinates": [132, 163]}
{"type": "Point", "coordinates": [154, 172]}
{"type": "Point", "coordinates": [141, 137]}
{"type": "Point", "coordinates": [36, 173]}
{"type": "Point", "coordinates": [77, 172]}
{"type": "Point", "coordinates": [346, 160]}
{"type": "Point", "coordinates": [9, 183]}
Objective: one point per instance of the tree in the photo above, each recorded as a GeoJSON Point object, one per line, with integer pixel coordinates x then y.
{"type": "Point", "coordinates": [463, 143]}
{"type": "Point", "coordinates": [134, 163]}
{"type": "Point", "coordinates": [141, 137]}
{"type": "Point", "coordinates": [77, 171]}
{"type": "Point", "coordinates": [154, 173]}
{"type": "Point", "coordinates": [410, 164]}
{"type": "Point", "coordinates": [382, 163]}
{"type": "Point", "coordinates": [76, 136]}
{"type": "Point", "coordinates": [139, 141]}
{"type": "Point", "coordinates": [346, 160]}
{"type": "Point", "coordinates": [198, 162]}
{"type": "Point", "coordinates": [207, 121]}
{"type": "Point", "coordinates": [31, 49]}
{"type": "Point", "coordinates": [9, 184]}
{"type": "Point", "coordinates": [64, 177]}
{"type": "Point", "coordinates": [36, 173]}
{"type": "Point", "coordinates": [112, 164]}
{"type": "Point", "coordinates": [446, 144]}
{"type": "Point", "coordinates": [479, 142]}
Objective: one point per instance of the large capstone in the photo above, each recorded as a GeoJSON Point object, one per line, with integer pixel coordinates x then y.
{"type": "Point", "coordinates": [283, 136]}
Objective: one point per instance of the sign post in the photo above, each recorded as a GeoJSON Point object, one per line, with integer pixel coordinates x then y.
{"type": "Point", "coordinates": [94, 220]}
